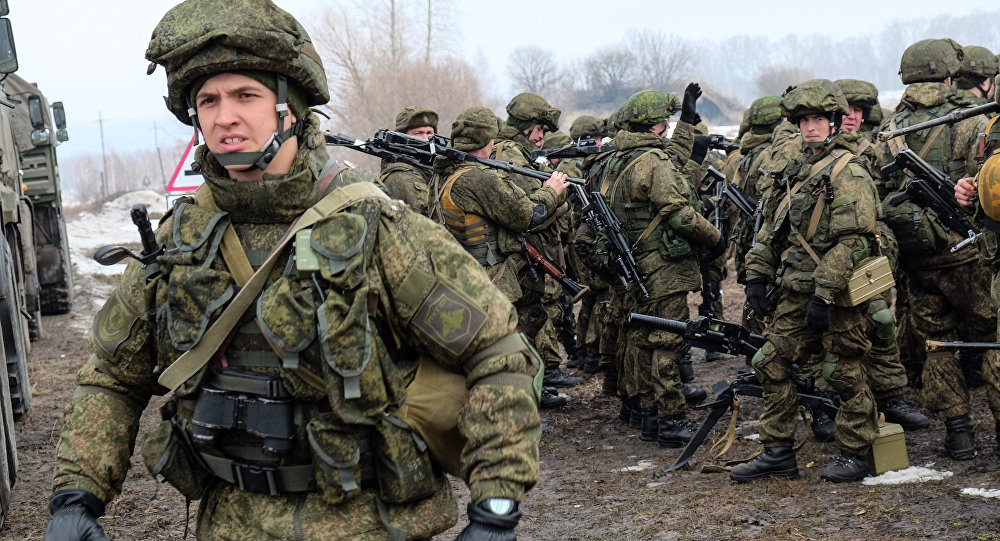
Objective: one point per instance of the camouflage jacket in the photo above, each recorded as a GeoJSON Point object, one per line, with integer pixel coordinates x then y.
{"type": "Point", "coordinates": [411, 261]}
{"type": "Point", "coordinates": [408, 183]}
{"type": "Point", "coordinates": [843, 234]}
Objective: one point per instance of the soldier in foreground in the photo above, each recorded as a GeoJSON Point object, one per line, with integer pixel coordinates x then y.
{"type": "Point", "coordinates": [329, 373]}
{"type": "Point", "coordinates": [819, 222]}
{"type": "Point", "coordinates": [403, 181]}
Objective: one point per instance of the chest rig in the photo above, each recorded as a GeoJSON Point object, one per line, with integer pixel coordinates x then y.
{"type": "Point", "coordinates": [477, 234]}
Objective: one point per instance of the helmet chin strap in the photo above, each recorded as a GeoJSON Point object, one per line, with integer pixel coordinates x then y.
{"type": "Point", "coordinates": [262, 158]}
{"type": "Point", "coordinates": [820, 144]}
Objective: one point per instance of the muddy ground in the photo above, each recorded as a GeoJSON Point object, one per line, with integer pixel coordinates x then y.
{"type": "Point", "coordinates": [598, 480]}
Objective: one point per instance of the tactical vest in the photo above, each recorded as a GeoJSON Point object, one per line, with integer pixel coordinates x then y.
{"type": "Point", "coordinates": [933, 144]}
{"type": "Point", "coordinates": [476, 233]}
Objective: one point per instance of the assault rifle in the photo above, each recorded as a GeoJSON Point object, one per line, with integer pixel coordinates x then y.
{"type": "Point", "coordinates": [537, 259]}
{"type": "Point", "coordinates": [930, 187]}
{"type": "Point", "coordinates": [588, 148]}
{"type": "Point", "coordinates": [949, 118]}
{"type": "Point", "coordinates": [713, 180]}
{"type": "Point", "coordinates": [109, 255]}
{"type": "Point", "coordinates": [603, 222]}
{"type": "Point", "coordinates": [734, 339]}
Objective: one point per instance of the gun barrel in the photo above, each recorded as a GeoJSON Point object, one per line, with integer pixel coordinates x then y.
{"type": "Point", "coordinates": [661, 323]}
{"type": "Point", "coordinates": [934, 345]}
{"type": "Point", "coordinates": [949, 118]}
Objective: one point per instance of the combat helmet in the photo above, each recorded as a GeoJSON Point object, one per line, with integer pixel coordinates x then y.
{"type": "Point", "coordinates": [930, 60]}
{"type": "Point", "coordinates": [416, 117]}
{"type": "Point", "coordinates": [978, 64]}
{"type": "Point", "coordinates": [585, 126]}
{"type": "Point", "coordinates": [556, 139]}
{"type": "Point", "coordinates": [647, 108]}
{"type": "Point", "coordinates": [526, 110]}
{"type": "Point", "coordinates": [765, 112]}
{"type": "Point", "coordinates": [474, 128]}
{"type": "Point", "coordinates": [860, 93]}
{"type": "Point", "coordinates": [815, 97]}
{"type": "Point", "coordinates": [201, 38]}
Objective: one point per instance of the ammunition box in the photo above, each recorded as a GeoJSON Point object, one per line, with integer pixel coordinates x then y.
{"type": "Point", "coordinates": [871, 277]}
{"type": "Point", "coordinates": [889, 450]}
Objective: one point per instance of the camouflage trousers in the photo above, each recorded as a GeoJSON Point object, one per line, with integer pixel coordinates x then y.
{"type": "Point", "coordinates": [886, 374]}
{"type": "Point", "coordinates": [537, 317]}
{"type": "Point", "coordinates": [650, 371]}
{"type": "Point", "coordinates": [586, 321]}
{"type": "Point", "coordinates": [227, 513]}
{"type": "Point", "coordinates": [839, 350]}
{"type": "Point", "coordinates": [910, 356]}
{"type": "Point", "coordinates": [952, 303]}
{"type": "Point", "coordinates": [611, 346]}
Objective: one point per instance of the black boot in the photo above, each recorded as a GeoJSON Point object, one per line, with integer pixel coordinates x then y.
{"type": "Point", "coordinates": [823, 426]}
{"type": "Point", "coordinates": [551, 399]}
{"type": "Point", "coordinates": [575, 360]}
{"type": "Point", "coordinates": [625, 413]}
{"type": "Point", "coordinates": [846, 468]}
{"type": "Point", "coordinates": [898, 411]}
{"type": "Point", "coordinates": [592, 364]}
{"type": "Point", "coordinates": [638, 414]}
{"type": "Point", "coordinates": [649, 430]}
{"type": "Point", "coordinates": [712, 356]}
{"type": "Point", "coordinates": [554, 377]}
{"type": "Point", "coordinates": [960, 440]}
{"type": "Point", "coordinates": [692, 394]}
{"type": "Point", "coordinates": [675, 431]}
{"type": "Point", "coordinates": [610, 385]}
{"type": "Point", "coordinates": [686, 369]}
{"type": "Point", "coordinates": [776, 461]}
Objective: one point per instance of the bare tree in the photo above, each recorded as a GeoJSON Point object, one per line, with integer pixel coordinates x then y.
{"type": "Point", "coordinates": [661, 58]}
{"type": "Point", "coordinates": [609, 72]}
{"type": "Point", "coordinates": [773, 80]}
{"type": "Point", "coordinates": [532, 69]}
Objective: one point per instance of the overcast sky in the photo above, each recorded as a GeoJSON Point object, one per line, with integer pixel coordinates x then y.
{"type": "Point", "coordinates": [90, 53]}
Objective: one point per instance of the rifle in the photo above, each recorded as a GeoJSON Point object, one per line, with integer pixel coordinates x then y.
{"type": "Point", "coordinates": [572, 151]}
{"type": "Point", "coordinates": [602, 220]}
{"type": "Point", "coordinates": [713, 180]}
{"type": "Point", "coordinates": [734, 339]}
{"type": "Point", "coordinates": [930, 187]}
{"type": "Point", "coordinates": [719, 142]}
{"type": "Point", "coordinates": [934, 345]}
{"type": "Point", "coordinates": [949, 118]}
{"type": "Point", "coordinates": [109, 255]}
{"type": "Point", "coordinates": [535, 258]}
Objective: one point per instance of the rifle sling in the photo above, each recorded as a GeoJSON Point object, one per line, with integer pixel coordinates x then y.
{"type": "Point", "coordinates": [817, 212]}
{"type": "Point", "coordinates": [930, 141]}
{"type": "Point", "coordinates": [813, 171]}
{"type": "Point", "coordinates": [188, 364]}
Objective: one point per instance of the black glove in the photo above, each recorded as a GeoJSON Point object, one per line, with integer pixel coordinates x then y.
{"type": "Point", "coordinates": [718, 248]}
{"type": "Point", "coordinates": [690, 103]}
{"type": "Point", "coordinates": [818, 313]}
{"type": "Point", "coordinates": [700, 148]}
{"type": "Point", "coordinates": [487, 525]}
{"type": "Point", "coordinates": [756, 291]}
{"type": "Point", "coordinates": [74, 517]}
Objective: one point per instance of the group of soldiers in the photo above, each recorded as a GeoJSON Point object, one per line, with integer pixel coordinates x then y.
{"type": "Point", "coordinates": [330, 353]}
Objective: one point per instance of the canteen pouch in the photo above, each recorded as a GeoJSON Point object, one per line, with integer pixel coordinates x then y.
{"type": "Point", "coordinates": [402, 463]}
{"type": "Point", "coordinates": [673, 246]}
{"type": "Point", "coordinates": [337, 458]}
{"type": "Point", "coordinates": [167, 452]}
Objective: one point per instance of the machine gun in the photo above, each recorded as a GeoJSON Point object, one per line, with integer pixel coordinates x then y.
{"type": "Point", "coordinates": [949, 118]}
{"type": "Point", "coordinates": [589, 148]}
{"type": "Point", "coordinates": [929, 187]}
{"type": "Point", "coordinates": [734, 339]}
{"type": "Point", "coordinates": [109, 255]}
{"type": "Point", "coordinates": [934, 345]}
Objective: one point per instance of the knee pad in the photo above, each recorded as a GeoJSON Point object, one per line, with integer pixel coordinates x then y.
{"type": "Point", "coordinates": [885, 324]}
{"type": "Point", "coordinates": [767, 365]}
{"type": "Point", "coordinates": [839, 385]}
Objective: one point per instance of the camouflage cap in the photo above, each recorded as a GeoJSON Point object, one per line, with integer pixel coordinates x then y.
{"type": "Point", "coordinates": [648, 107]}
{"type": "Point", "coordinates": [586, 126]}
{"type": "Point", "coordinates": [556, 139]}
{"type": "Point", "coordinates": [474, 128]}
{"type": "Point", "coordinates": [815, 96]}
{"type": "Point", "coordinates": [533, 108]}
{"type": "Point", "coordinates": [208, 37]}
{"type": "Point", "coordinates": [765, 111]}
{"type": "Point", "coordinates": [416, 117]}
{"type": "Point", "coordinates": [930, 60]}
{"type": "Point", "coordinates": [978, 63]}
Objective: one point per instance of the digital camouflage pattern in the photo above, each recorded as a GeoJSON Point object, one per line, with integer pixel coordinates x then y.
{"type": "Point", "coordinates": [648, 107]}
{"type": "Point", "coordinates": [408, 183]}
{"type": "Point", "coordinates": [416, 117]}
{"type": "Point", "coordinates": [533, 108]}
{"type": "Point", "coordinates": [586, 126]}
{"type": "Point", "coordinates": [812, 97]}
{"type": "Point", "coordinates": [474, 128]}
{"type": "Point", "coordinates": [765, 111]}
{"type": "Point", "coordinates": [930, 60]}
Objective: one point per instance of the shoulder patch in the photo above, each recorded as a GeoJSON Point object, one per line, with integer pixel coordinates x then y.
{"type": "Point", "coordinates": [449, 319]}
{"type": "Point", "coordinates": [114, 323]}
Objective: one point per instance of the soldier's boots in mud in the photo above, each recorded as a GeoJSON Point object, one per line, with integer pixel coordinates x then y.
{"type": "Point", "coordinates": [712, 356]}
{"type": "Point", "coordinates": [960, 439]}
{"type": "Point", "coordinates": [772, 462]}
{"type": "Point", "coordinates": [551, 399]}
{"type": "Point", "coordinates": [625, 413]}
{"type": "Point", "coordinates": [692, 394]}
{"type": "Point", "coordinates": [675, 431]}
{"type": "Point", "coordinates": [576, 361]}
{"type": "Point", "coordinates": [823, 427]}
{"type": "Point", "coordinates": [610, 385]}
{"type": "Point", "coordinates": [592, 364]}
{"type": "Point", "coordinates": [640, 415]}
{"type": "Point", "coordinates": [897, 410]}
{"type": "Point", "coordinates": [554, 377]}
{"type": "Point", "coordinates": [846, 468]}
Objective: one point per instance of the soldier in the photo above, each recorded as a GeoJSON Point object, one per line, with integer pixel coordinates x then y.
{"type": "Point", "coordinates": [949, 292]}
{"type": "Point", "coordinates": [653, 201]}
{"type": "Point", "coordinates": [296, 414]}
{"type": "Point", "coordinates": [975, 76]}
{"type": "Point", "coordinates": [886, 373]}
{"type": "Point", "coordinates": [488, 215]}
{"type": "Point", "coordinates": [529, 118]}
{"type": "Point", "coordinates": [405, 181]}
{"type": "Point", "coordinates": [818, 222]}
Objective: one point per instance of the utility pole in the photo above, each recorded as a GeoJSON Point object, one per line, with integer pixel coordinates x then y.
{"type": "Point", "coordinates": [156, 141]}
{"type": "Point", "coordinates": [104, 158]}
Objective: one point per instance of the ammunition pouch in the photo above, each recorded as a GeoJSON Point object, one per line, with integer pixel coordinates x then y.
{"type": "Point", "coordinates": [673, 246]}
{"type": "Point", "coordinates": [917, 229]}
{"type": "Point", "coordinates": [402, 463]}
{"type": "Point", "coordinates": [337, 452]}
{"type": "Point", "coordinates": [167, 452]}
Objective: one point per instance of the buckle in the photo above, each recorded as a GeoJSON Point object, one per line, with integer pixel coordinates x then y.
{"type": "Point", "coordinates": [256, 479]}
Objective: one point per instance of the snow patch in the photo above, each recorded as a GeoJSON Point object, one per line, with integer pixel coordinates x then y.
{"type": "Point", "coordinates": [983, 492]}
{"type": "Point", "coordinates": [112, 225]}
{"type": "Point", "coordinates": [913, 474]}
{"type": "Point", "coordinates": [641, 466]}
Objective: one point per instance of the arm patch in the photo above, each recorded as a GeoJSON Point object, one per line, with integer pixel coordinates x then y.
{"type": "Point", "coordinates": [449, 319]}
{"type": "Point", "coordinates": [113, 324]}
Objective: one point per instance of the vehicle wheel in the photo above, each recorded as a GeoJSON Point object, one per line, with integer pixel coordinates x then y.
{"type": "Point", "coordinates": [8, 449]}
{"type": "Point", "coordinates": [14, 337]}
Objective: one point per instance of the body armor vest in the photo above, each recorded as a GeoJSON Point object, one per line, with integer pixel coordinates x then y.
{"type": "Point", "coordinates": [475, 233]}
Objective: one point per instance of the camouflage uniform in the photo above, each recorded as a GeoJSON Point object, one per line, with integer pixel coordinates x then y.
{"type": "Point", "coordinates": [948, 292]}
{"type": "Point", "coordinates": [394, 296]}
{"type": "Point", "coordinates": [404, 181]}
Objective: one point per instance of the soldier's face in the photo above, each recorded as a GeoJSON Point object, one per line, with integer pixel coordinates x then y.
{"type": "Point", "coordinates": [852, 122]}
{"type": "Point", "coordinates": [423, 132]}
{"type": "Point", "coordinates": [236, 114]}
{"type": "Point", "coordinates": [536, 135]}
{"type": "Point", "coordinates": [814, 128]}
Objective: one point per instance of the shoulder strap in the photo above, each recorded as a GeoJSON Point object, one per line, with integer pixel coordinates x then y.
{"type": "Point", "coordinates": [896, 143]}
{"type": "Point", "coordinates": [821, 201]}
{"type": "Point", "coordinates": [614, 185]}
{"type": "Point", "coordinates": [813, 171]}
{"type": "Point", "coordinates": [195, 358]}
{"type": "Point", "coordinates": [930, 141]}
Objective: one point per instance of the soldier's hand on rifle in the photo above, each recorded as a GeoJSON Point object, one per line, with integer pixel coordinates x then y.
{"type": "Point", "coordinates": [557, 181]}
{"type": "Point", "coordinates": [690, 104]}
{"type": "Point", "coordinates": [756, 290]}
{"type": "Point", "coordinates": [966, 190]}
